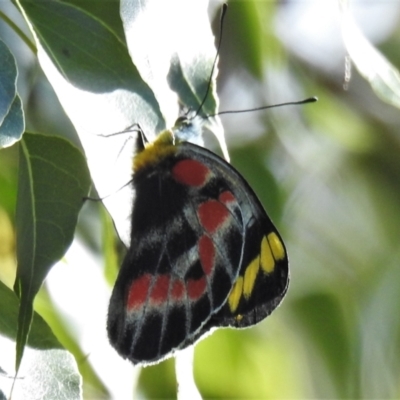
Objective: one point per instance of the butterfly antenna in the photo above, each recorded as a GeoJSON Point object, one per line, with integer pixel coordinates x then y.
{"type": "Point", "coordinates": [289, 103]}
{"type": "Point", "coordinates": [221, 24]}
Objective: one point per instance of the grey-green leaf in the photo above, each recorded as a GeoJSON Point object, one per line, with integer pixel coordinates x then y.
{"type": "Point", "coordinates": [12, 123]}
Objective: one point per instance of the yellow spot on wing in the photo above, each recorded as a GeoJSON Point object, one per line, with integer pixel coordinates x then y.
{"type": "Point", "coordinates": [276, 246]}
{"type": "Point", "coordinates": [162, 147]}
{"type": "Point", "coordinates": [250, 276]}
{"type": "Point", "coordinates": [235, 294]}
{"type": "Point", "coordinates": [267, 260]}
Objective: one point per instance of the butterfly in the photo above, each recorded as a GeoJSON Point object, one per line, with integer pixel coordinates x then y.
{"type": "Point", "coordinates": [203, 254]}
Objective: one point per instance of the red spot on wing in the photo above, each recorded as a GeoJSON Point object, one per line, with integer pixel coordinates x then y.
{"type": "Point", "coordinates": [212, 215]}
{"type": "Point", "coordinates": [207, 254]}
{"type": "Point", "coordinates": [190, 172]}
{"type": "Point", "coordinates": [177, 290]}
{"type": "Point", "coordinates": [159, 291]}
{"type": "Point", "coordinates": [138, 292]}
{"type": "Point", "coordinates": [196, 288]}
{"type": "Point", "coordinates": [226, 197]}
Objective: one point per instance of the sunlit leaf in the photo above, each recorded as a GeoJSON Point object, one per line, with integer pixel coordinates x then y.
{"type": "Point", "coordinates": [178, 57]}
{"type": "Point", "coordinates": [44, 374]}
{"type": "Point", "coordinates": [102, 92]}
{"type": "Point", "coordinates": [382, 75]}
{"type": "Point", "coordinates": [47, 371]}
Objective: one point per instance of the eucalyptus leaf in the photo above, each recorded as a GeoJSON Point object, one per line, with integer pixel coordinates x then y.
{"type": "Point", "coordinates": [12, 122]}
{"type": "Point", "coordinates": [43, 375]}
{"type": "Point", "coordinates": [53, 181]}
{"type": "Point", "coordinates": [40, 336]}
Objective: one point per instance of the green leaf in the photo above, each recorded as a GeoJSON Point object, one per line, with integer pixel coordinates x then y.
{"type": "Point", "coordinates": [53, 180]}
{"type": "Point", "coordinates": [323, 320]}
{"type": "Point", "coordinates": [88, 56]}
{"type": "Point", "coordinates": [77, 50]}
{"type": "Point", "coordinates": [105, 11]}
{"type": "Point", "coordinates": [243, 41]}
{"type": "Point", "coordinates": [40, 337]}
{"type": "Point", "coordinates": [45, 361]}
{"type": "Point", "coordinates": [12, 123]}
{"type": "Point", "coordinates": [99, 87]}
{"type": "Point", "coordinates": [163, 374]}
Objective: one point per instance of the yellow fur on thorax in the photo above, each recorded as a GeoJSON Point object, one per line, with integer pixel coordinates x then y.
{"type": "Point", "coordinates": [161, 147]}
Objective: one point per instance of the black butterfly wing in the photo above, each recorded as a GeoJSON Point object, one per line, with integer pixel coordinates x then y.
{"type": "Point", "coordinates": [182, 261]}
{"type": "Point", "coordinates": [196, 229]}
{"type": "Point", "coordinates": [263, 274]}
{"type": "Point", "coordinates": [262, 282]}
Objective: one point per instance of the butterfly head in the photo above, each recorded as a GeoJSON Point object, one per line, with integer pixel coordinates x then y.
{"type": "Point", "coordinates": [188, 128]}
{"type": "Point", "coordinates": [148, 153]}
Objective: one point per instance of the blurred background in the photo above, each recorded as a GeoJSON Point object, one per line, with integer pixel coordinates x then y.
{"type": "Point", "coordinates": [328, 174]}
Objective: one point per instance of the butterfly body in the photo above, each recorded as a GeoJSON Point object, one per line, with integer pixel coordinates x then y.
{"type": "Point", "coordinates": [203, 253]}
